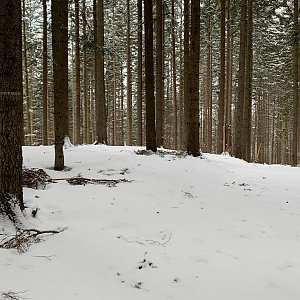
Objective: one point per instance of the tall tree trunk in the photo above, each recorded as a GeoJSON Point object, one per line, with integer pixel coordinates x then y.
{"type": "Point", "coordinates": [85, 81]}
{"type": "Point", "coordinates": [239, 111]}
{"type": "Point", "coordinates": [159, 73]}
{"type": "Point", "coordinates": [26, 71]}
{"type": "Point", "coordinates": [193, 146]}
{"type": "Point", "coordinates": [248, 86]}
{"type": "Point", "coordinates": [181, 92]}
{"type": "Point", "coordinates": [60, 76]}
{"type": "Point", "coordinates": [129, 88]}
{"type": "Point", "coordinates": [77, 76]}
{"type": "Point", "coordinates": [100, 105]}
{"type": "Point", "coordinates": [114, 111]}
{"type": "Point", "coordinates": [208, 88]}
{"type": "Point", "coordinates": [221, 102]}
{"type": "Point", "coordinates": [11, 106]}
{"type": "Point", "coordinates": [140, 76]}
{"type": "Point", "coordinates": [295, 85]}
{"type": "Point", "coordinates": [174, 79]}
{"type": "Point", "coordinates": [45, 75]}
{"type": "Point", "coordinates": [149, 73]}
{"type": "Point", "coordinates": [186, 59]}
{"type": "Point", "coordinates": [228, 95]}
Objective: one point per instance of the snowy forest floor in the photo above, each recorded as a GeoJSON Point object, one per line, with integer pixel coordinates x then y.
{"type": "Point", "coordinates": [215, 228]}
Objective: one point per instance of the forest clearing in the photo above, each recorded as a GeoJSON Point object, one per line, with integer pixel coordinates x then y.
{"type": "Point", "coordinates": [182, 228]}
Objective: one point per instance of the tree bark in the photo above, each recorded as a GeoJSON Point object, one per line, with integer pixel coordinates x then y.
{"type": "Point", "coordinates": [27, 93]}
{"type": "Point", "coordinates": [129, 88]}
{"type": "Point", "coordinates": [193, 146]}
{"type": "Point", "coordinates": [60, 76]}
{"type": "Point", "coordinates": [86, 103]}
{"type": "Point", "coordinates": [149, 74]}
{"type": "Point", "coordinates": [208, 89]}
{"type": "Point", "coordinates": [228, 95]}
{"type": "Point", "coordinates": [174, 79]}
{"type": "Point", "coordinates": [159, 73]}
{"type": "Point", "coordinates": [140, 77]}
{"type": "Point", "coordinates": [186, 59]}
{"type": "Point", "coordinates": [222, 80]}
{"type": "Point", "coordinates": [248, 86]}
{"type": "Point", "coordinates": [45, 75]}
{"type": "Point", "coordinates": [295, 85]}
{"type": "Point", "coordinates": [100, 105]}
{"type": "Point", "coordinates": [11, 105]}
{"type": "Point", "coordinates": [77, 77]}
{"type": "Point", "coordinates": [239, 111]}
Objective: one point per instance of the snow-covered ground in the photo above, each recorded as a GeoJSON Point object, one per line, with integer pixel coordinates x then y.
{"type": "Point", "coordinates": [183, 228]}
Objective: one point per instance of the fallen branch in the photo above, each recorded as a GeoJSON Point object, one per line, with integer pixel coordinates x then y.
{"type": "Point", "coordinates": [24, 238]}
{"type": "Point", "coordinates": [83, 181]}
{"type": "Point", "coordinates": [12, 296]}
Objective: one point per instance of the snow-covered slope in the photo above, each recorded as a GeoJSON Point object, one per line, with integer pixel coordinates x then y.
{"type": "Point", "coordinates": [183, 228]}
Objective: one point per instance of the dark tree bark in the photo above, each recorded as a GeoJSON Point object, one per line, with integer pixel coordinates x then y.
{"type": "Point", "coordinates": [11, 106]}
{"type": "Point", "coordinates": [193, 145]}
{"type": "Point", "coordinates": [59, 10]}
{"type": "Point", "coordinates": [239, 110]}
{"type": "Point", "coordinates": [208, 89]}
{"type": "Point", "coordinates": [149, 74]}
{"type": "Point", "coordinates": [228, 94]}
{"type": "Point", "coordinates": [77, 75]}
{"type": "Point", "coordinates": [248, 86]}
{"type": "Point", "coordinates": [295, 85]}
{"type": "Point", "coordinates": [174, 80]}
{"type": "Point", "coordinates": [129, 88]}
{"type": "Point", "coordinates": [140, 76]}
{"type": "Point", "coordinates": [45, 75]}
{"type": "Point", "coordinates": [186, 59]}
{"type": "Point", "coordinates": [100, 105]}
{"type": "Point", "coordinates": [27, 96]}
{"type": "Point", "coordinates": [86, 103]}
{"type": "Point", "coordinates": [159, 95]}
{"type": "Point", "coordinates": [221, 102]}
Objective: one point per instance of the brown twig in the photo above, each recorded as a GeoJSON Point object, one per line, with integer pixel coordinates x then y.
{"type": "Point", "coordinates": [24, 238]}
{"type": "Point", "coordinates": [12, 296]}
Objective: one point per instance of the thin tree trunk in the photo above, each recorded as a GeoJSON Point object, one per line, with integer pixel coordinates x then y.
{"type": "Point", "coordinates": [239, 111]}
{"type": "Point", "coordinates": [129, 88]}
{"type": "Point", "coordinates": [77, 76]}
{"type": "Point", "coordinates": [45, 75]}
{"type": "Point", "coordinates": [228, 95]}
{"type": "Point", "coordinates": [149, 73]}
{"type": "Point", "coordinates": [295, 85]}
{"type": "Point", "coordinates": [159, 73]}
{"type": "Point", "coordinates": [140, 76]}
{"type": "Point", "coordinates": [221, 102]}
{"type": "Point", "coordinates": [193, 145]}
{"type": "Point", "coordinates": [186, 12]}
{"type": "Point", "coordinates": [181, 93]}
{"type": "Point", "coordinates": [60, 76]}
{"type": "Point", "coordinates": [28, 98]}
{"type": "Point", "coordinates": [174, 79]}
{"type": "Point", "coordinates": [85, 83]}
{"type": "Point", "coordinates": [248, 86]}
{"type": "Point", "coordinates": [100, 105]}
{"type": "Point", "coordinates": [208, 89]}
